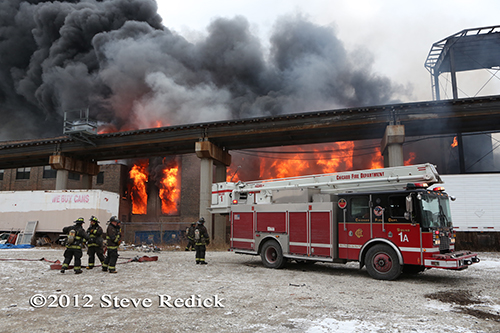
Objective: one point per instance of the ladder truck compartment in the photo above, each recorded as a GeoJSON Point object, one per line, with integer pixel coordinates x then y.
{"type": "Point", "coordinates": [390, 220]}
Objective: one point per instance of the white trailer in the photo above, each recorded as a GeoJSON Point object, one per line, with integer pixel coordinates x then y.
{"type": "Point", "coordinates": [53, 210]}
{"type": "Point", "coordinates": [477, 204]}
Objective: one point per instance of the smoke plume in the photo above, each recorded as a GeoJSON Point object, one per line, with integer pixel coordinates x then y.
{"type": "Point", "coordinates": [116, 58]}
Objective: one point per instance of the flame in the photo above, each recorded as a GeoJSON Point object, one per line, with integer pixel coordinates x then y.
{"type": "Point", "coordinates": [157, 124]}
{"type": "Point", "coordinates": [139, 176]}
{"type": "Point", "coordinates": [411, 159]}
{"type": "Point", "coordinates": [169, 190]}
{"type": "Point", "coordinates": [454, 143]}
{"type": "Point", "coordinates": [111, 128]}
{"type": "Point", "coordinates": [306, 160]}
{"type": "Point", "coordinates": [377, 161]}
{"type": "Point", "coordinates": [329, 158]}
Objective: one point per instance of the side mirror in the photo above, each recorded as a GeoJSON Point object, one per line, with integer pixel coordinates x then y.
{"type": "Point", "coordinates": [452, 198]}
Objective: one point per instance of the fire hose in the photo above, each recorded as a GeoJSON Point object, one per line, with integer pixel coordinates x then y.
{"type": "Point", "coordinates": [56, 264]}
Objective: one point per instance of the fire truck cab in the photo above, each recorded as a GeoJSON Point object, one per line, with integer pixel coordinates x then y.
{"type": "Point", "coordinates": [390, 220]}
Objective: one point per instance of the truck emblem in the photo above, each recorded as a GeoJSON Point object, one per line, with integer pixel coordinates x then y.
{"type": "Point", "coordinates": [342, 203]}
{"type": "Point", "coordinates": [378, 211]}
{"type": "Point", "coordinates": [359, 233]}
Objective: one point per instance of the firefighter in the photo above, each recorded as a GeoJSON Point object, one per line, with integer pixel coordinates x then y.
{"type": "Point", "coordinates": [190, 237]}
{"type": "Point", "coordinates": [95, 243]}
{"type": "Point", "coordinates": [76, 236]}
{"type": "Point", "coordinates": [201, 240]}
{"type": "Point", "coordinates": [113, 239]}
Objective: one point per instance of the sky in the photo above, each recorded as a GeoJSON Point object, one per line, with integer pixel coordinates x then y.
{"type": "Point", "coordinates": [396, 34]}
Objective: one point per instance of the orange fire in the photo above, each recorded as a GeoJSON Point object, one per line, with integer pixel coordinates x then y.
{"type": "Point", "coordinates": [169, 190]}
{"type": "Point", "coordinates": [307, 160]}
{"type": "Point", "coordinates": [411, 159]}
{"type": "Point", "coordinates": [110, 128]}
{"type": "Point", "coordinates": [166, 178]}
{"type": "Point", "coordinates": [139, 176]}
{"type": "Point", "coordinates": [333, 162]}
{"type": "Point", "coordinates": [454, 143]}
{"type": "Point", "coordinates": [377, 161]}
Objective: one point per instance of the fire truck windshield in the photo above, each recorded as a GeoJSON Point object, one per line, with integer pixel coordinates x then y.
{"type": "Point", "coordinates": [435, 210]}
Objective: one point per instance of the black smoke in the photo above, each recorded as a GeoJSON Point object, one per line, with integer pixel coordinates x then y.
{"type": "Point", "coordinates": [116, 58]}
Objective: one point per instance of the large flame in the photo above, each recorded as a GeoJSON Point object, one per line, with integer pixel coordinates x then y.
{"type": "Point", "coordinates": [170, 190]}
{"type": "Point", "coordinates": [165, 176]}
{"type": "Point", "coordinates": [139, 176]}
{"type": "Point", "coordinates": [306, 160]}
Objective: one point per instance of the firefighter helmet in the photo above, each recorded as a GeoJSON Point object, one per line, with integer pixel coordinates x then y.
{"type": "Point", "coordinates": [114, 219]}
{"type": "Point", "coordinates": [201, 220]}
{"type": "Point", "coordinates": [94, 219]}
{"type": "Point", "coordinates": [79, 220]}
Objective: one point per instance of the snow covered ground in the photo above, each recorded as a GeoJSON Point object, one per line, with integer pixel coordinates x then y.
{"type": "Point", "coordinates": [235, 293]}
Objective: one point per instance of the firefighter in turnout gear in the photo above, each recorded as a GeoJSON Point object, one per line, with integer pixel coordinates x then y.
{"type": "Point", "coordinates": [201, 240]}
{"type": "Point", "coordinates": [190, 237]}
{"type": "Point", "coordinates": [95, 243]}
{"type": "Point", "coordinates": [76, 236]}
{"type": "Point", "coordinates": [113, 239]}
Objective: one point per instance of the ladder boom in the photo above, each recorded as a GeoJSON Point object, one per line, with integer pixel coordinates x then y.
{"type": "Point", "coordinates": [394, 178]}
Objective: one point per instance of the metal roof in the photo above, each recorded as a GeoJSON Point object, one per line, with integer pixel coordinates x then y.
{"type": "Point", "coordinates": [472, 49]}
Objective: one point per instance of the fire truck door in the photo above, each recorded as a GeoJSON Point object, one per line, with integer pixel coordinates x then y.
{"type": "Point", "coordinates": [357, 231]}
{"type": "Point", "coordinates": [321, 233]}
{"type": "Point", "coordinates": [300, 238]}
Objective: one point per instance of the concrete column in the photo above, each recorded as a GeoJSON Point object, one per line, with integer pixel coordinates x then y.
{"type": "Point", "coordinates": [62, 179]}
{"type": "Point", "coordinates": [206, 180]}
{"type": "Point", "coordinates": [392, 145]}
{"type": "Point", "coordinates": [210, 154]}
{"type": "Point", "coordinates": [220, 220]}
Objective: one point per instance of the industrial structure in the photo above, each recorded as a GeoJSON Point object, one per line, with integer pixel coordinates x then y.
{"type": "Point", "coordinates": [466, 50]}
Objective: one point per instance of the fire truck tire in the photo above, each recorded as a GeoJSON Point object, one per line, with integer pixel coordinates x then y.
{"type": "Point", "coordinates": [272, 255]}
{"type": "Point", "coordinates": [382, 263]}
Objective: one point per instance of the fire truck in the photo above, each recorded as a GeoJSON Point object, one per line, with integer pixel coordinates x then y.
{"type": "Point", "coordinates": [390, 220]}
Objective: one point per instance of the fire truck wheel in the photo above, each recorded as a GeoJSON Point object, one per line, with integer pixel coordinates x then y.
{"type": "Point", "coordinates": [272, 255]}
{"type": "Point", "coordinates": [382, 263]}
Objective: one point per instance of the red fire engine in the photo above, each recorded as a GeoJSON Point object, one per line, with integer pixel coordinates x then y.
{"type": "Point", "coordinates": [388, 219]}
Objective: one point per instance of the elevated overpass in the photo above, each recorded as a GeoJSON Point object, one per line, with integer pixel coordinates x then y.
{"type": "Point", "coordinates": [420, 118]}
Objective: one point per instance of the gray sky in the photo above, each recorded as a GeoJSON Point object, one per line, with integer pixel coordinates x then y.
{"type": "Point", "coordinates": [398, 34]}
